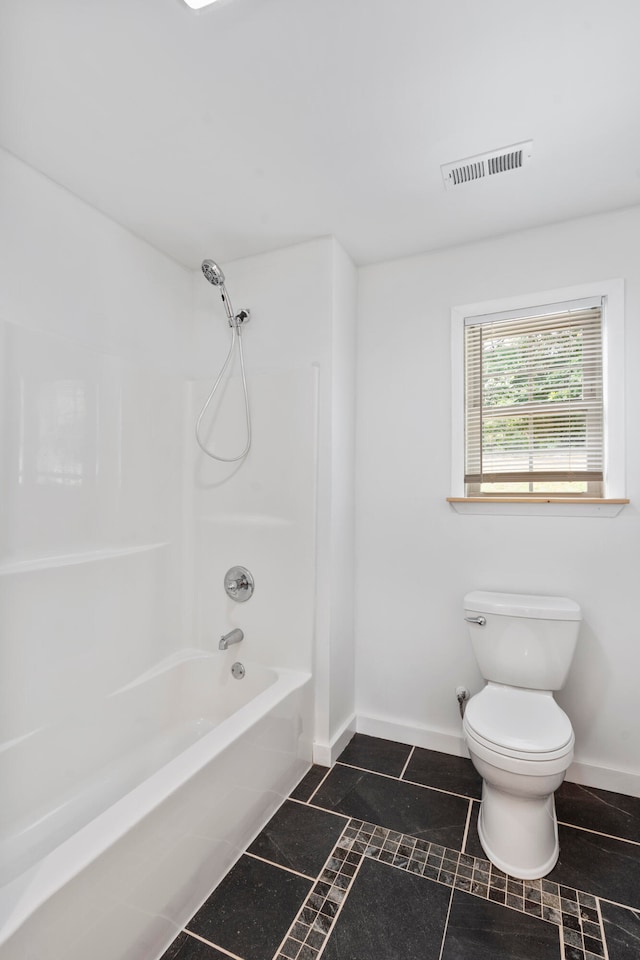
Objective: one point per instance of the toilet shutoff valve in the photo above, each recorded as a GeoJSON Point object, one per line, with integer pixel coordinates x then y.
{"type": "Point", "coordinates": [462, 695]}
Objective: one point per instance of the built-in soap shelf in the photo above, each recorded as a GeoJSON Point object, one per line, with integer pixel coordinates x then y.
{"type": "Point", "coordinates": [71, 559]}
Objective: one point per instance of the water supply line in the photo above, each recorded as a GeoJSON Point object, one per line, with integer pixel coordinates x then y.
{"type": "Point", "coordinates": [462, 695]}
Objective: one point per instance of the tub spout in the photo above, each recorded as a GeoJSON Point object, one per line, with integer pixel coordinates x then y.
{"type": "Point", "coordinates": [234, 637]}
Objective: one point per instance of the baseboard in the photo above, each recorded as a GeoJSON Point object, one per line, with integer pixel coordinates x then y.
{"type": "Point", "coordinates": [586, 774]}
{"type": "Point", "coordinates": [416, 736]}
{"type": "Point", "coordinates": [604, 778]}
{"type": "Point", "coordinates": [326, 754]}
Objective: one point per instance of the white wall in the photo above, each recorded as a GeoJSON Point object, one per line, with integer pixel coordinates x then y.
{"type": "Point", "coordinates": [95, 331]}
{"type": "Point", "coordinates": [286, 512]}
{"type": "Point", "coordinates": [416, 557]}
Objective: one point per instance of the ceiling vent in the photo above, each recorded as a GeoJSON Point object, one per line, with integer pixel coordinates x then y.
{"type": "Point", "coordinates": [486, 164]}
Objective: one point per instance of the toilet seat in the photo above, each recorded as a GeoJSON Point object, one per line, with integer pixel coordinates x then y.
{"type": "Point", "coordinates": [532, 766]}
{"type": "Point", "coordinates": [518, 723]}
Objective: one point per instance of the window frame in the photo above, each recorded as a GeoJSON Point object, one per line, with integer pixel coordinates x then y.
{"type": "Point", "coordinates": [613, 357]}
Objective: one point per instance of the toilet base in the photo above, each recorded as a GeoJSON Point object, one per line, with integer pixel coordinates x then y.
{"type": "Point", "coordinates": [519, 834]}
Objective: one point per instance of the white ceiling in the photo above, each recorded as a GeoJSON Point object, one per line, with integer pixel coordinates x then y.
{"type": "Point", "coordinates": [253, 124]}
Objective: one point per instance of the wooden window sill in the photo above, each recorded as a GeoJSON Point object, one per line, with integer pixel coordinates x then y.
{"type": "Point", "coordinates": [537, 506]}
{"type": "Point", "coordinates": [534, 500]}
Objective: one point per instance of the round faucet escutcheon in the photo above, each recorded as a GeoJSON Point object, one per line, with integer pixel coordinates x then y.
{"type": "Point", "coordinates": [239, 584]}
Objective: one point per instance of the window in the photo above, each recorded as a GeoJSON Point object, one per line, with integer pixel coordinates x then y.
{"type": "Point", "coordinates": [533, 401]}
{"type": "Point", "coordinates": [538, 396]}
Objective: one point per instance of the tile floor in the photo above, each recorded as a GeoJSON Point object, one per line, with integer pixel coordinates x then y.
{"type": "Point", "coordinates": [379, 859]}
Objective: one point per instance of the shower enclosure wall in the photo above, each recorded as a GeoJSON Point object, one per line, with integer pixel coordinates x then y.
{"type": "Point", "coordinates": [115, 537]}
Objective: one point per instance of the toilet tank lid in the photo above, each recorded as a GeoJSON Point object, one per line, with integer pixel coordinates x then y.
{"type": "Point", "coordinates": [522, 605]}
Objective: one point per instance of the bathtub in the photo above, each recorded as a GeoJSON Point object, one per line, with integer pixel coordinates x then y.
{"type": "Point", "coordinates": [116, 825]}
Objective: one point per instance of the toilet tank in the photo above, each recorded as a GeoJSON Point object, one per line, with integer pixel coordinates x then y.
{"type": "Point", "coordinates": [526, 641]}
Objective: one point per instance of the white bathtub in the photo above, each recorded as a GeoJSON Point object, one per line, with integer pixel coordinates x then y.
{"type": "Point", "coordinates": [115, 826]}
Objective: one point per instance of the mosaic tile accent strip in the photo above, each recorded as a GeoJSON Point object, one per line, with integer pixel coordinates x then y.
{"type": "Point", "coordinates": [574, 912]}
{"type": "Point", "coordinates": [315, 919]}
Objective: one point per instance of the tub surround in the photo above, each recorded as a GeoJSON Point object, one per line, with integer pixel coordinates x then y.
{"type": "Point", "coordinates": [116, 537]}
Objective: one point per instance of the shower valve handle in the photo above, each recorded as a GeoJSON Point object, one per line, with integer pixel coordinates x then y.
{"type": "Point", "coordinates": [238, 584]}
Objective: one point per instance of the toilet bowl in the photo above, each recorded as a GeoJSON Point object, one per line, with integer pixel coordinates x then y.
{"type": "Point", "coordinates": [520, 741]}
{"type": "Point", "coordinates": [521, 744]}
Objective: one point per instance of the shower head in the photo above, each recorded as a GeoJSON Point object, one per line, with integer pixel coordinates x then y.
{"type": "Point", "coordinates": [213, 273]}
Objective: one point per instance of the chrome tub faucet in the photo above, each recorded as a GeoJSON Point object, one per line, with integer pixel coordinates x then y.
{"type": "Point", "coordinates": [235, 636]}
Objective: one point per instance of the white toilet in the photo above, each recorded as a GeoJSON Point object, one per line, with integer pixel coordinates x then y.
{"type": "Point", "coordinates": [520, 741]}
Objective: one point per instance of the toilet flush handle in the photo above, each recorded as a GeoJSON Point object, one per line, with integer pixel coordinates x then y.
{"type": "Point", "coordinates": [479, 620]}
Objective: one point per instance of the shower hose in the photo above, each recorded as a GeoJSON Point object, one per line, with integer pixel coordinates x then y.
{"type": "Point", "coordinates": [236, 337]}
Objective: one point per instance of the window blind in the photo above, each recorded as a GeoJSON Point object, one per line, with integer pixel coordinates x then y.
{"type": "Point", "coordinates": [533, 401]}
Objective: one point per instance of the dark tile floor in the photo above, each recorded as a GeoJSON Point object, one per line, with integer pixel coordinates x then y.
{"type": "Point", "coordinates": [379, 859]}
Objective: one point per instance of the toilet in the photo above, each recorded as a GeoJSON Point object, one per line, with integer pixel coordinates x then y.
{"type": "Point", "coordinates": [520, 741]}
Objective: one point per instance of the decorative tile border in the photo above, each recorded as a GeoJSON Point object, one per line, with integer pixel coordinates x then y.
{"type": "Point", "coordinates": [574, 912]}
{"type": "Point", "coordinates": [316, 918]}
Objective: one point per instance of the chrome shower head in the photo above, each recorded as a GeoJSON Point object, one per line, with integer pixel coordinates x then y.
{"type": "Point", "coordinates": [213, 273]}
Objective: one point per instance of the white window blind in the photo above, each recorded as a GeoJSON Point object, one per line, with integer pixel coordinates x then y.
{"type": "Point", "coordinates": [533, 401]}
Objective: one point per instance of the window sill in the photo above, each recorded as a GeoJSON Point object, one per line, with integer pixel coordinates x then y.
{"type": "Point", "coordinates": [538, 506]}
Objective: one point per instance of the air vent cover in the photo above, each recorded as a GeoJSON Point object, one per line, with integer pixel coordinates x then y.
{"type": "Point", "coordinates": [486, 164]}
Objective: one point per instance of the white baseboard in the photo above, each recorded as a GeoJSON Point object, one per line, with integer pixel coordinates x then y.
{"type": "Point", "coordinates": [586, 774]}
{"type": "Point", "coordinates": [604, 778]}
{"type": "Point", "coordinates": [326, 754]}
{"type": "Point", "coordinates": [416, 736]}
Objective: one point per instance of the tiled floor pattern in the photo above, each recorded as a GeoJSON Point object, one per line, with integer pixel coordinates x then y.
{"type": "Point", "coordinates": [575, 912]}
{"type": "Point", "coordinates": [379, 858]}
